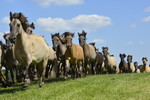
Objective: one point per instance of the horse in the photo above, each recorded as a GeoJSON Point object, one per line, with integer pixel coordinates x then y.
{"type": "Point", "coordinates": [28, 50]}
{"type": "Point", "coordinates": [89, 53]}
{"type": "Point", "coordinates": [9, 59]}
{"type": "Point", "coordinates": [74, 56]}
{"type": "Point", "coordinates": [21, 17]}
{"type": "Point", "coordinates": [3, 78]}
{"type": "Point", "coordinates": [145, 67]}
{"type": "Point", "coordinates": [100, 69]}
{"type": "Point", "coordinates": [29, 28]}
{"type": "Point", "coordinates": [110, 62]}
{"type": "Point", "coordinates": [60, 47]}
{"type": "Point", "coordinates": [137, 70]}
{"type": "Point", "coordinates": [123, 67]}
{"type": "Point", "coordinates": [131, 66]}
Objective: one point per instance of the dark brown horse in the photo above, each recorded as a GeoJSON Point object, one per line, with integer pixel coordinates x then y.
{"type": "Point", "coordinates": [74, 56]}
{"type": "Point", "coordinates": [89, 53]}
{"type": "Point", "coordinates": [131, 67]}
{"type": "Point", "coordinates": [123, 65]}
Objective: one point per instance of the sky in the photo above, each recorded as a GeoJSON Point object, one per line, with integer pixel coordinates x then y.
{"type": "Point", "coordinates": [121, 25]}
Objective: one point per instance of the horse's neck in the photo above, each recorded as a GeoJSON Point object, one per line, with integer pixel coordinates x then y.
{"type": "Point", "coordinates": [122, 60]}
{"type": "Point", "coordinates": [62, 48]}
{"type": "Point", "coordinates": [21, 38]}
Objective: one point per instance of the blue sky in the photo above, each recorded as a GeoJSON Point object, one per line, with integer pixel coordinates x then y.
{"type": "Point", "coordinates": [122, 25]}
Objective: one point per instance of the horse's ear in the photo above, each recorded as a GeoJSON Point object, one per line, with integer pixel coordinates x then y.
{"type": "Point", "coordinates": [79, 34]}
{"type": "Point", "coordinates": [83, 32]}
{"type": "Point", "coordinates": [143, 58]}
{"type": "Point", "coordinates": [103, 48]}
{"type": "Point", "coordinates": [72, 34]}
{"type": "Point", "coordinates": [32, 25]}
{"type": "Point", "coordinates": [107, 48]}
{"type": "Point", "coordinates": [57, 34]}
{"type": "Point", "coordinates": [20, 15]}
{"type": "Point", "coordinates": [120, 55]}
{"type": "Point", "coordinates": [52, 35]}
{"type": "Point", "coordinates": [4, 35]}
{"type": "Point", "coordinates": [93, 43]}
{"type": "Point", "coordinates": [11, 15]}
{"type": "Point", "coordinates": [146, 59]}
{"type": "Point", "coordinates": [124, 55]}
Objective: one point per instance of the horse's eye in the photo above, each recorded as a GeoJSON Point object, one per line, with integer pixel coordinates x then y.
{"type": "Point", "coordinates": [18, 25]}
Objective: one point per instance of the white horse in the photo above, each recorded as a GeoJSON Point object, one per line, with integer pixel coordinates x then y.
{"type": "Point", "coordinates": [110, 62]}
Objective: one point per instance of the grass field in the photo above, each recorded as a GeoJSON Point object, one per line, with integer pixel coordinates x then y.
{"type": "Point", "coordinates": [96, 87]}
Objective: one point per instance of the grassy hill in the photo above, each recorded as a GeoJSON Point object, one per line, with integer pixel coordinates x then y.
{"type": "Point", "coordinates": [97, 87]}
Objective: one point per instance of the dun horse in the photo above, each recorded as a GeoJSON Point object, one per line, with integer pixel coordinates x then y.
{"type": "Point", "coordinates": [89, 53]}
{"type": "Point", "coordinates": [74, 55]}
{"type": "Point", "coordinates": [60, 47]}
{"type": "Point", "coordinates": [28, 50]}
{"type": "Point", "coordinates": [110, 62]}
{"type": "Point", "coordinates": [145, 67]}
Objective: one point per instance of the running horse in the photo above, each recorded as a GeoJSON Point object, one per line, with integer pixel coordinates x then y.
{"type": "Point", "coordinates": [28, 50]}
{"type": "Point", "coordinates": [74, 56]}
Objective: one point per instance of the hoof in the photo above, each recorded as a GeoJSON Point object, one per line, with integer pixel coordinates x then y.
{"type": "Point", "coordinates": [26, 82]}
{"type": "Point", "coordinates": [41, 84]}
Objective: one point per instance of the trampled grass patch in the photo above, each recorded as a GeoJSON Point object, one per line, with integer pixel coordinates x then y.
{"type": "Point", "coordinates": [96, 87]}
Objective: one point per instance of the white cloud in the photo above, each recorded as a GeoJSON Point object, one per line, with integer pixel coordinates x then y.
{"type": "Point", "coordinates": [146, 19]}
{"type": "Point", "coordinates": [133, 25]}
{"type": "Point", "coordinates": [86, 22]}
{"type": "Point", "coordinates": [137, 43]}
{"type": "Point", "coordinates": [147, 9]}
{"type": "Point", "coordinates": [141, 42]}
{"type": "Point", "coordinates": [1, 36]}
{"type": "Point", "coordinates": [46, 3]}
{"type": "Point", "coordinates": [98, 41]}
{"type": "Point", "coordinates": [130, 43]}
{"type": "Point", "coordinates": [5, 20]}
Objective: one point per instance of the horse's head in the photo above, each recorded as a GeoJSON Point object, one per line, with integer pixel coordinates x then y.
{"type": "Point", "coordinates": [144, 60]}
{"type": "Point", "coordinates": [8, 40]}
{"type": "Point", "coordinates": [122, 56]}
{"type": "Point", "coordinates": [55, 40]}
{"type": "Point", "coordinates": [15, 28]}
{"type": "Point", "coordinates": [29, 28]}
{"type": "Point", "coordinates": [136, 64]}
{"type": "Point", "coordinates": [19, 16]}
{"type": "Point", "coordinates": [82, 38]}
{"type": "Point", "coordinates": [129, 58]}
{"type": "Point", "coordinates": [68, 39]}
{"type": "Point", "coordinates": [105, 51]}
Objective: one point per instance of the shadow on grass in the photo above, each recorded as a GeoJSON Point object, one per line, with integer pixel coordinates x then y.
{"type": "Point", "coordinates": [18, 87]}
{"type": "Point", "coordinates": [13, 89]}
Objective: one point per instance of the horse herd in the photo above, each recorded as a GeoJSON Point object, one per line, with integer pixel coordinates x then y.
{"type": "Point", "coordinates": [27, 56]}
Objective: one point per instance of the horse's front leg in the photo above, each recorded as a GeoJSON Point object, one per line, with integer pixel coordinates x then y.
{"type": "Point", "coordinates": [26, 76]}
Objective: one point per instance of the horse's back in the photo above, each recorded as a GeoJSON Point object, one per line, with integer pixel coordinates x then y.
{"type": "Point", "coordinates": [77, 52]}
{"type": "Point", "coordinates": [52, 54]}
{"type": "Point", "coordinates": [34, 46]}
{"type": "Point", "coordinates": [89, 51]}
{"type": "Point", "coordinates": [112, 61]}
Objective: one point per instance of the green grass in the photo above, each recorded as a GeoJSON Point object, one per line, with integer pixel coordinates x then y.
{"type": "Point", "coordinates": [96, 87]}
